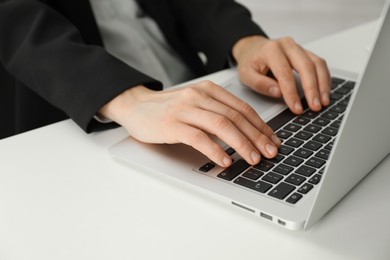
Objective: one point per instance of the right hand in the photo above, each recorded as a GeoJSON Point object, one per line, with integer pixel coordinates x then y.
{"type": "Point", "coordinates": [257, 55]}
{"type": "Point", "coordinates": [186, 115]}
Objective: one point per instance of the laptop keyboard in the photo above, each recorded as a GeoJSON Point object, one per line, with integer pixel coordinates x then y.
{"type": "Point", "coordinates": [307, 140]}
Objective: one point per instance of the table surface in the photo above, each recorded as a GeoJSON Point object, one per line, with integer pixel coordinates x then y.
{"type": "Point", "coordinates": [63, 197]}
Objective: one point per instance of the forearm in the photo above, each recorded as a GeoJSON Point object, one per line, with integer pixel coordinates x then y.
{"type": "Point", "coordinates": [43, 50]}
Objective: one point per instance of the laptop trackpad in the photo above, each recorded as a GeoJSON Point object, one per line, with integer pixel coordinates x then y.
{"type": "Point", "coordinates": [265, 106]}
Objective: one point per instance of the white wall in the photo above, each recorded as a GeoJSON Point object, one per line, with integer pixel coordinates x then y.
{"type": "Point", "coordinates": [306, 20]}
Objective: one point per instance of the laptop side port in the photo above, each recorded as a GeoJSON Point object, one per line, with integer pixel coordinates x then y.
{"type": "Point", "coordinates": [243, 207]}
{"type": "Point", "coordinates": [262, 214]}
{"type": "Point", "coordinates": [281, 222]}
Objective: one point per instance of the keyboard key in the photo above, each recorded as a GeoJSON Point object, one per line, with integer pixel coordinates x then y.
{"type": "Point", "coordinates": [278, 158]}
{"type": "Point", "coordinates": [321, 121]}
{"type": "Point", "coordinates": [332, 102]}
{"type": "Point", "coordinates": [285, 150]}
{"type": "Point", "coordinates": [281, 119]}
{"type": "Point", "coordinates": [344, 102]}
{"type": "Point", "coordinates": [293, 161]}
{"type": "Point", "coordinates": [283, 134]}
{"type": "Point", "coordinates": [281, 191]}
{"type": "Point", "coordinates": [349, 84]}
{"type": "Point", "coordinates": [305, 171]}
{"type": "Point", "coordinates": [230, 151]}
{"type": "Point", "coordinates": [295, 179]}
{"type": "Point", "coordinates": [335, 96]}
{"type": "Point", "coordinates": [338, 109]}
{"type": "Point", "coordinates": [264, 166]}
{"type": "Point", "coordinates": [330, 115]}
{"type": "Point", "coordinates": [283, 169]}
{"type": "Point", "coordinates": [337, 81]}
{"type": "Point", "coordinates": [292, 127]}
{"type": "Point", "coordinates": [259, 186]}
{"type": "Point", "coordinates": [315, 179]}
{"type": "Point", "coordinates": [312, 128]}
{"type": "Point", "coordinates": [207, 167]}
{"type": "Point", "coordinates": [322, 138]}
{"type": "Point", "coordinates": [303, 153]}
{"type": "Point", "coordinates": [301, 120]}
{"type": "Point", "coordinates": [315, 162]}
{"type": "Point", "coordinates": [329, 146]}
{"type": "Point", "coordinates": [310, 114]}
{"type": "Point", "coordinates": [330, 131]}
{"type": "Point", "coordinates": [323, 154]}
{"type": "Point", "coordinates": [336, 124]}
{"type": "Point", "coordinates": [343, 90]}
{"type": "Point", "coordinates": [294, 198]}
{"type": "Point", "coordinates": [272, 177]}
{"type": "Point", "coordinates": [334, 85]}
{"type": "Point", "coordinates": [234, 170]}
{"type": "Point", "coordinates": [294, 142]}
{"type": "Point", "coordinates": [252, 174]}
{"type": "Point", "coordinates": [303, 135]}
{"type": "Point", "coordinates": [315, 146]}
{"type": "Point", "coordinates": [305, 188]}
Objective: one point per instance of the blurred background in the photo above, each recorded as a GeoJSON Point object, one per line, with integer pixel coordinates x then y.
{"type": "Point", "coordinates": [307, 20]}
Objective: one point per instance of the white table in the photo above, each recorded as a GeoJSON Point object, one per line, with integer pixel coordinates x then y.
{"type": "Point", "coordinates": [63, 197]}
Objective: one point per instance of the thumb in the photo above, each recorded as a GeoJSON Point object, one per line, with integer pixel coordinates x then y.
{"type": "Point", "coordinates": [260, 83]}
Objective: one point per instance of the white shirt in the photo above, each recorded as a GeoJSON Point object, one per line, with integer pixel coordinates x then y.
{"type": "Point", "coordinates": [131, 36]}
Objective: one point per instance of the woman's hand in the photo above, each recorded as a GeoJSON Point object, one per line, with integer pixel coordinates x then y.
{"type": "Point", "coordinates": [187, 115]}
{"type": "Point", "coordinates": [256, 56]}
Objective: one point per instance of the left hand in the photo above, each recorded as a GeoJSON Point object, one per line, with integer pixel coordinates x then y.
{"type": "Point", "coordinates": [257, 55]}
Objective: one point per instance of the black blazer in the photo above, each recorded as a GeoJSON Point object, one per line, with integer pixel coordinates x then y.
{"type": "Point", "coordinates": [53, 65]}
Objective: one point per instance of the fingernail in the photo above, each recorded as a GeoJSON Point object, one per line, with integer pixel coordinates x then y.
{"type": "Point", "coordinates": [275, 139]}
{"type": "Point", "coordinates": [325, 98]}
{"type": "Point", "coordinates": [274, 91]}
{"type": "Point", "coordinates": [271, 149]}
{"type": "Point", "coordinates": [226, 161]}
{"type": "Point", "coordinates": [255, 156]}
{"type": "Point", "coordinates": [298, 106]}
{"type": "Point", "coordinates": [316, 102]}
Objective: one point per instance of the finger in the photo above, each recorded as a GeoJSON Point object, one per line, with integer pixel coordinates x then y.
{"type": "Point", "coordinates": [220, 94]}
{"type": "Point", "coordinates": [225, 130]}
{"type": "Point", "coordinates": [283, 72]}
{"type": "Point", "coordinates": [267, 146]}
{"type": "Point", "coordinates": [200, 141]}
{"type": "Point", "coordinates": [260, 83]}
{"type": "Point", "coordinates": [306, 69]}
{"type": "Point", "coordinates": [323, 75]}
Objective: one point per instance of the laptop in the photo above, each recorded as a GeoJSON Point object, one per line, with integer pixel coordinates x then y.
{"type": "Point", "coordinates": [322, 157]}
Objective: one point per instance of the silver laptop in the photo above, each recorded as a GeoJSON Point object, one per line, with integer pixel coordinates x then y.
{"type": "Point", "coordinates": [323, 155]}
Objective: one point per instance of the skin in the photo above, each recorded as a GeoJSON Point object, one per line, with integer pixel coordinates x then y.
{"type": "Point", "coordinates": [187, 115]}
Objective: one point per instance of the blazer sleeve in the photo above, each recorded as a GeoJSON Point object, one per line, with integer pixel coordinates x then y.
{"type": "Point", "coordinates": [47, 53]}
{"type": "Point", "coordinates": [213, 27]}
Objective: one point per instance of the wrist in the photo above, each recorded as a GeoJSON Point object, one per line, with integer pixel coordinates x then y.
{"type": "Point", "coordinates": [244, 44]}
{"type": "Point", "coordinates": [116, 108]}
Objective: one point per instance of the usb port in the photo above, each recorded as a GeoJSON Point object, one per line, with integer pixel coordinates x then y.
{"type": "Point", "coordinates": [266, 216]}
